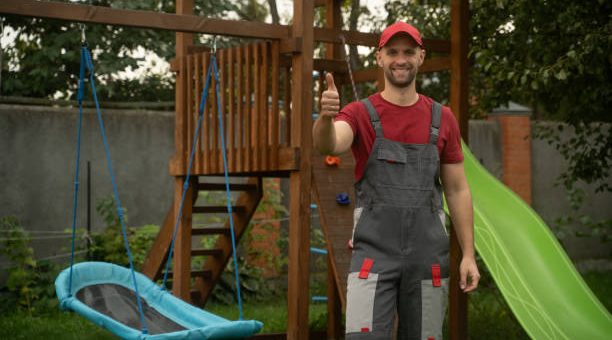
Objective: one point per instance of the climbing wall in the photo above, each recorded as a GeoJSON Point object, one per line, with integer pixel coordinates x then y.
{"type": "Point", "coordinates": [336, 219]}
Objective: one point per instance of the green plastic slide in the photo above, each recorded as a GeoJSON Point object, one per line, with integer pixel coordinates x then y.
{"type": "Point", "coordinates": [538, 280]}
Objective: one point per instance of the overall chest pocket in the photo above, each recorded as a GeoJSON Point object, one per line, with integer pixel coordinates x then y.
{"type": "Point", "coordinates": [400, 168]}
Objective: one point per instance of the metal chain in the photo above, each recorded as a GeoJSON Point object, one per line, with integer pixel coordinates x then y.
{"type": "Point", "coordinates": [1, 50]}
{"type": "Point", "coordinates": [348, 64]}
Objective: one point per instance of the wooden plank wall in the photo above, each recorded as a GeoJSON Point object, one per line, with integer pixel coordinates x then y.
{"type": "Point", "coordinates": [252, 89]}
{"type": "Point", "coordinates": [336, 220]}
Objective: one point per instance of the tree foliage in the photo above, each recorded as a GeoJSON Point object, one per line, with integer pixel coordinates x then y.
{"type": "Point", "coordinates": [44, 61]}
{"type": "Point", "coordinates": [555, 57]}
{"type": "Point", "coordinates": [551, 55]}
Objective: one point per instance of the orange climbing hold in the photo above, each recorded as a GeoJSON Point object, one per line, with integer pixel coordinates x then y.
{"type": "Point", "coordinates": [332, 161]}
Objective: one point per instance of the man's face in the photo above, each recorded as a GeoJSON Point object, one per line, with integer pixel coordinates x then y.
{"type": "Point", "coordinates": [400, 59]}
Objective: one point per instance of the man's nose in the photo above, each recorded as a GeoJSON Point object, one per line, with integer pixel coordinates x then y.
{"type": "Point", "coordinates": [401, 59]}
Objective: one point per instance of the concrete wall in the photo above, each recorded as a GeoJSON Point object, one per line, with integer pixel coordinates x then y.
{"type": "Point", "coordinates": [37, 150]}
{"type": "Point", "coordinates": [551, 202]}
{"type": "Point", "coordinates": [548, 199]}
{"type": "Point", "coordinates": [37, 164]}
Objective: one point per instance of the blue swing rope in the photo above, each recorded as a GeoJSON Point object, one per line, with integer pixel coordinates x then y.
{"type": "Point", "coordinates": [227, 187]}
{"type": "Point", "coordinates": [86, 62]}
{"type": "Point", "coordinates": [212, 67]}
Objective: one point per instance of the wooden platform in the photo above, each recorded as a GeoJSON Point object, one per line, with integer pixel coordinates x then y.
{"type": "Point", "coordinates": [336, 219]}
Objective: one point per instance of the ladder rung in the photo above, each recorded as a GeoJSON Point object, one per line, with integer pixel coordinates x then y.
{"type": "Point", "coordinates": [221, 186]}
{"type": "Point", "coordinates": [210, 231]}
{"type": "Point", "coordinates": [216, 209]}
{"type": "Point", "coordinates": [206, 252]}
{"type": "Point", "coordinates": [206, 274]}
{"type": "Point", "coordinates": [196, 297]}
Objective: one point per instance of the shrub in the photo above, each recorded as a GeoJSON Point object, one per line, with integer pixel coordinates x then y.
{"type": "Point", "coordinates": [29, 284]}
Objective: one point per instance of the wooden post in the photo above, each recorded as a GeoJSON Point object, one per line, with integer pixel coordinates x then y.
{"type": "Point", "coordinates": [182, 253]}
{"type": "Point", "coordinates": [334, 305]}
{"type": "Point", "coordinates": [459, 92]}
{"type": "Point", "coordinates": [300, 181]}
{"type": "Point", "coordinates": [333, 20]}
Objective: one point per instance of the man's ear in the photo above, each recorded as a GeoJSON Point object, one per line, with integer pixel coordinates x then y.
{"type": "Point", "coordinates": [378, 59]}
{"type": "Point", "coordinates": [422, 56]}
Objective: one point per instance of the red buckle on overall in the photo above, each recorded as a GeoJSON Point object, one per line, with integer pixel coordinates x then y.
{"type": "Point", "coordinates": [435, 275]}
{"type": "Point", "coordinates": [365, 330]}
{"type": "Point", "coordinates": [365, 268]}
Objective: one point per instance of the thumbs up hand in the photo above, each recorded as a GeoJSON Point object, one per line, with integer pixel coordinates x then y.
{"type": "Point", "coordinates": [330, 99]}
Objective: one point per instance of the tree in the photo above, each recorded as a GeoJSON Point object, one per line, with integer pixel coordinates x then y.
{"type": "Point", "coordinates": [553, 56]}
{"type": "Point", "coordinates": [44, 61]}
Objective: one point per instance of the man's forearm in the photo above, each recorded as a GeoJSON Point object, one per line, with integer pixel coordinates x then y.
{"type": "Point", "coordinates": [461, 211]}
{"type": "Point", "coordinates": [324, 135]}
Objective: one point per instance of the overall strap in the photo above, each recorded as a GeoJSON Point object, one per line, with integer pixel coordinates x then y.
{"type": "Point", "coordinates": [373, 118]}
{"type": "Point", "coordinates": [436, 116]}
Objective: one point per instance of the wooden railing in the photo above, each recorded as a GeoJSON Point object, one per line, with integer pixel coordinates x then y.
{"type": "Point", "coordinates": [255, 103]}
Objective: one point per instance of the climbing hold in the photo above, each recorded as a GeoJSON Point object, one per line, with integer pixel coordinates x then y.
{"type": "Point", "coordinates": [332, 161]}
{"type": "Point", "coordinates": [343, 199]}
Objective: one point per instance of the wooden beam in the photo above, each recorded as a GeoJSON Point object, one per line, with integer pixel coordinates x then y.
{"type": "Point", "coordinates": [300, 181]}
{"type": "Point", "coordinates": [188, 23]}
{"type": "Point", "coordinates": [181, 280]}
{"type": "Point", "coordinates": [371, 39]}
{"type": "Point", "coordinates": [156, 258]}
{"type": "Point", "coordinates": [459, 92]}
{"type": "Point", "coordinates": [330, 65]}
{"type": "Point", "coordinates": [435, 65]}
{"type": "Point", "coordinates": [335, 52]}
{"type": "Point", "coordinates": [333, 21]}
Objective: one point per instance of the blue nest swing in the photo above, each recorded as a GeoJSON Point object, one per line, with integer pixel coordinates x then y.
{"type": "Point", "coordinates": [123, 301]}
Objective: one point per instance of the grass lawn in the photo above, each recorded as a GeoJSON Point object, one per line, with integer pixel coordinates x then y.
{"type": "Point", "coordinates": [65, 325]}
{"type": "Point", "coordinates": [489, 316]}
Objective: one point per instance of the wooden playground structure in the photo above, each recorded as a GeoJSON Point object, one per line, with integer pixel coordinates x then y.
{"type": "Point", "coordinates": [265, 139]}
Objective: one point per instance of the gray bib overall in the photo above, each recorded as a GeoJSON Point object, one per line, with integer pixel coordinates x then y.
{"type": "Point", "coordinates": [400, 254]}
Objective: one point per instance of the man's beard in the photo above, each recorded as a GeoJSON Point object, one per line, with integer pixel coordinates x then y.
{"type": "Point", "coordinates": [400, 83]}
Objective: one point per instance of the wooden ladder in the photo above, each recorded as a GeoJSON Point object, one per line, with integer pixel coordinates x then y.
{"type": "Point", "coordinates": [216, 257]}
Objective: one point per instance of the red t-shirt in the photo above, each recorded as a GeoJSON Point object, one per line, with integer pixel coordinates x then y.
{"type": "Point", "coordinates": [406, 124]}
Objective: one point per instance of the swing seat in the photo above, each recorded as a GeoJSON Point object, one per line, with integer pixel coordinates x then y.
{"type": "Point", "coordinates": [104, 294]}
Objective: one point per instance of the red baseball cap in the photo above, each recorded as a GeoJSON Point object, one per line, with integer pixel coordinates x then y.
{"type": "Point", "coordinates": [399, 27]}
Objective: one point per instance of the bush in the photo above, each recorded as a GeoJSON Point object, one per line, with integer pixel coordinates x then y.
{"type": "Point", "coordinates": [29, 284]}
{"type": "Point", "coordinates": [108, 245]}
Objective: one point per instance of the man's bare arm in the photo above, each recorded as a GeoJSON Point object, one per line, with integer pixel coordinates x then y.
{"type": "Point", "coordinates": [459, 200]}
{"type": "Point", "coordinates": [329, 137]}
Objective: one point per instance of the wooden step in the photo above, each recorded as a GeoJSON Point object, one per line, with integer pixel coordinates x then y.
{"type": "Point", "coordinates": [205, 274]}
{"type": "Point", "coordinates": [196, 297]}
{"type": "Point", "coordinates": [221, 186]}
{"type": "Point", "coordinates": [216, 209]}
{"type": "Point", "coordinates": [211, 231]}
{"type": "Point", "coordinates": [206, 252]}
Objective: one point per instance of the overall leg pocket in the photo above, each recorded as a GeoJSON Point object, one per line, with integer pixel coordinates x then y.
{"type": "Point", "coordinates": [434, 297]}
{"type": "Point", "coordinates": [360, 302]}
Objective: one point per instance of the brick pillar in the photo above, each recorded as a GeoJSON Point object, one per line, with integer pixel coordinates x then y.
{"type": "Point", "coordinates": [515, 127]}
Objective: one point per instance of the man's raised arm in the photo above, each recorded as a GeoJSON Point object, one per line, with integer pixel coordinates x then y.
{"type": "Point", "coordinates": [329, 137]}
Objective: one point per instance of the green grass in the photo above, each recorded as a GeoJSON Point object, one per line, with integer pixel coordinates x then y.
{"type": "Point", "coordinates": [489, 316]}
{"type": "Point", "coordinates": [68, 326]}
{"type": "Point", "coordinates": [57, 325]}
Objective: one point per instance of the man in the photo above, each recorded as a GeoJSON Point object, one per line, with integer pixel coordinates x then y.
{"type": "Point", "coordinates": [403, 144]}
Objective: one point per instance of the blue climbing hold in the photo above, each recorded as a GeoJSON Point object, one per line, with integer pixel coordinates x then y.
{"type": "Point", "coordinates": [343, 199]}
